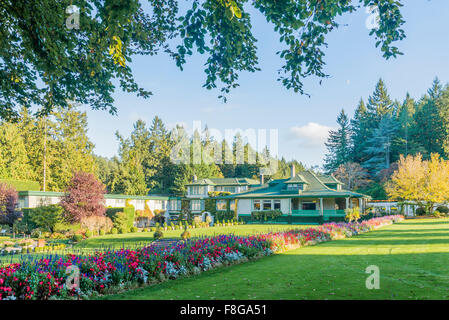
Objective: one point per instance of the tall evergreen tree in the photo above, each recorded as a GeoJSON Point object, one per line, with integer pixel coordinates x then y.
{"type": "Point", "coordinates": [73, 147]}
{"type": "Point", "coordinates": [338, 144]}
{"type": "Point", "coordinates": [379, 104]}
{"type": "Point", "coordinates": [379, 145]}
{"type": "Point", "coordinates": [13, 154]}
{"type": "Point", "coordinates": [360, 130]}
{"type": "Point", "coordinates": [428, 130]}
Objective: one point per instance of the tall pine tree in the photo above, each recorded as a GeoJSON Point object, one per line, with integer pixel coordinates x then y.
{"type": "Point", "coordinates": [338, 144]}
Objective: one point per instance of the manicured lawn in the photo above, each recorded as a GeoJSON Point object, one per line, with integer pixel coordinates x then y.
{"type": "Point", "coordinates": [412, 257]}
{"type": "Point", "coordinates": [141, 238]}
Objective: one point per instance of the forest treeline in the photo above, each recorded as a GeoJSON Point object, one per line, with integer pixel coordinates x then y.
{"type": "Point", "coordinates": [363, 151]}
{"type": "Point", "coordinates": [59, 145]}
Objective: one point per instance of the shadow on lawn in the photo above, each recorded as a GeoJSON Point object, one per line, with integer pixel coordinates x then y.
{"type": "Point", "coordinates": [427, 222]}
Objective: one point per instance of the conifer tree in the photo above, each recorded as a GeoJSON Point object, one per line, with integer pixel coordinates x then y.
{"type": "Point", "coordinates": [338, 144]}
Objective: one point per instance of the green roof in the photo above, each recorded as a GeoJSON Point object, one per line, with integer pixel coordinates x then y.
{"type": "Point", "coordinates": [328, 179]}
{"type": "Point", "coordinates": [315, 188]}
{"type": "Point", "coordinates": [106, 196]}
{"type": "Point", "coordinates": [224, 182]}
{"type": "Point", "coordinates": [296, 179]}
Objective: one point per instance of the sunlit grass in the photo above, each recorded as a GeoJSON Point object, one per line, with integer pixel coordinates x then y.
{"type": "Point", "coordinates": [412, 257]}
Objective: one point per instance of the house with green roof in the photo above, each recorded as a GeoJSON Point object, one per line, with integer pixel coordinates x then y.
{"type": "Point", "coordinates": [303, 197]}
{"type": "Point", "coordinates": [200, 189]}
{"type": "Point", "coordinates": [33, 199]}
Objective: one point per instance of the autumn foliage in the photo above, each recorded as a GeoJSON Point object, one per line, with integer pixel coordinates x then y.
{"type": "Point", "coordinates": [84, 197]}
{"type": "Point", "coordinates": [8, 202]}
{"type": "Point", "coordinates": [425, 182]}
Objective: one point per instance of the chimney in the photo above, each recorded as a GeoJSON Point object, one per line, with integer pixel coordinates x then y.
{"type": "Point", "coordinates": [195, 178]}
{"type": "Point", "coordinates": [292, 171]}
{"type": "Point", "coordinates": [261, 179]}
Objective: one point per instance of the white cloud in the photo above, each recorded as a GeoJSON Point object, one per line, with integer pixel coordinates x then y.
{"type": "Point", "coordinates": [311, 135]}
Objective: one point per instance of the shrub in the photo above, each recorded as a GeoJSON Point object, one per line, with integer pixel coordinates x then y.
{"type": "Point", "coordinates": [420, 211]}
{"type": "Point", "coordinates": [114, 231]}
{"type": "Point", "coordinates": [121, 217]}
{"type": "Point", "coordinates": [133, 229]}
{"type": "Point", "coordinates": [76, 238]}
{"type": "Point", "coordinates": [352, 214]}
{"type": "Point", "coordinates": [185, 235]}
{"type": "Point", "coordinates": [443, 209]}
{"type": "Point", "coordinates": [264, 215]}
{"type": "Point", "coordinates": [197, 220]}
{"type": "Point", "coordinates": [84, 197]}
{"type": "Point", "coordinates": [158, 234]}
{"type": "Point", "coordinates": [102, 232]}
{"type": "Point", "coordinates": [8, 203]}
{"type": "Point", "coordinates": [123, 230]}
{"type": "Point", "coordinates": [46, 217]}
{"type": "Point", "coordinates": [96, 223]}
{"type": "Point", "coordinates": [89, 234]}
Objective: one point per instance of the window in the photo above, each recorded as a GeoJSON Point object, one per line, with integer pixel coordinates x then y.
{"type": "Point", "coordinates": [196, 190]}
{"type": "Point", "coordinates": [196, 205]}
{"type": "Point", "coordinates": [277, 204]}
{"type": "Point", "coordinates": [232, 205]}
{"type": "Point", "coordinates": [295, 186]}
{"type": "Point", "coordinates": [256, 205]}
{"type": "Point", "coordinates": [267, 205]}
{"type": "Point", "coordinates": [174, 205]}
{"type": "Point", "coordinates": [221, 204]}
{"type": "Point", "coordinates": [308, 206]}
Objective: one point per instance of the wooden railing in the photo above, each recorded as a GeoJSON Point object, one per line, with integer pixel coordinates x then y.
{"type": "Point", "coordinates": [336, 213]}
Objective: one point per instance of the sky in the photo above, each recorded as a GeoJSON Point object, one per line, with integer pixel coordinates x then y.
{"type": "Point", "coordinates": [262, 103]}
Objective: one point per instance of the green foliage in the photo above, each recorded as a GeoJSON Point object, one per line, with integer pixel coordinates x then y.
{"type": "Point", "coordinates": [338, 144]}
{"type": "Point", "coordinates": [375, 190]}
{"type": "Point", "coordinates": [102, 232]}
{"type": "Point", "coordinates": [77, 238]}
{"type": "Point", "coordinates": [158, 234]}
{"type": "Point", "coordinates": [133, 229]}
{"type": "Point", "coordinates": [122, 218]}
{"type": "Point", "coordinates": [45, 217]}
{"type": "Point", "coordinates": [420, 211]}
{"type": "Point", "coordinates": [265, 215]}
{"type": "Point", "coordinates": [22, 185]}
{"type": "Point", "coordinates": [114, 231]}
{"type": "Point", "coordinates": [443, 209]}
{"type": "Point", "coordinates": [88, 234]}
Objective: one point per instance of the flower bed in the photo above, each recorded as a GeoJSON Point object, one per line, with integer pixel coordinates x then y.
{"type": "Point", "coordinates": [105, 272]}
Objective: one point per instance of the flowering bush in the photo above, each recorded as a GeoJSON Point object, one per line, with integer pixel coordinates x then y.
{"type": "Point", "coordinates": [102, 272]}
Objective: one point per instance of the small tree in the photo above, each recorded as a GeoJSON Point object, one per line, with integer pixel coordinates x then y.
{"type": "Point", "coordinates": [46, 217]}
{"type": "Point", "coordinates": [352, 175]}
{"type": "Point", "coordinates": [84, 197]}
{"type": "Point", "coordinates": [8, 203]}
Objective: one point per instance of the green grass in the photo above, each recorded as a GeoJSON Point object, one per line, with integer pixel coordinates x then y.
{"type": "Point", "coordinates": [140, 238]}
{"type": "Point", "coordinates": [412, 257]}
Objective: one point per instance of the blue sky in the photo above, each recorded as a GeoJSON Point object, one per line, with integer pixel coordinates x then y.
{"type": "Point", "coordinates": [353, 63]}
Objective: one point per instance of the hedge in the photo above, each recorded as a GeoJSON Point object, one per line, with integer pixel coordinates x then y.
{"type": "Point", "coordinates": [129, 211]}
{"type": "Point", "coordinates": [22, 185]}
